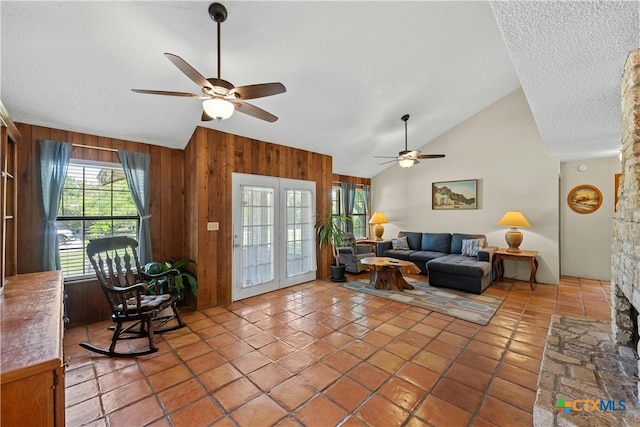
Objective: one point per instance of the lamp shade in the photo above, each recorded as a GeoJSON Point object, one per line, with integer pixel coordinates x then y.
{"type": "Point", "coordinates": [378, 218]}
{"type": "Point", "coordinates": [218, 108]}
{"type": "Point", "coordinates": [514, 219]}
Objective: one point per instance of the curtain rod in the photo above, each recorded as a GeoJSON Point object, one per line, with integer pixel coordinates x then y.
{"type": "Point", "coordinates": [94, 147]}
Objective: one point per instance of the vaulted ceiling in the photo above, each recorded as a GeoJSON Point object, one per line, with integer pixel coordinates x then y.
{"type": "Point", "coordinates": [351, 69]}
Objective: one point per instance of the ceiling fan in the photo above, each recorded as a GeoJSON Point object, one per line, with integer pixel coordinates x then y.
{"type": "Point", "coordinates": [407, 158]}
{"type": "Point", "coordinates": [220, 97]}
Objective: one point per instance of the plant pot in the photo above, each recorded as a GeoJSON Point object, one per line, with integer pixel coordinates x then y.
{"type": "Point", "coordinates": [338, 272]}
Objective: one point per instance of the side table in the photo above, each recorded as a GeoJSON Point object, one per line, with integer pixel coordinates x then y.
{"type": "Point", "coordinates": [528, 256]}
{"type": "Point", "coordinates": [372, 242]}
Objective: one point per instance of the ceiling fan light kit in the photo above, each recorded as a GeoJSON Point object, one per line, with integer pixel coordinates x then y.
{"type": "Point", "coordinates": [407, 158]}
{"type": "Point", "coordinates": [405, 163]}
{"type": "Point", "coordinates": [221, 98]}
{"type": "Point", "coordinates": [218, 108]}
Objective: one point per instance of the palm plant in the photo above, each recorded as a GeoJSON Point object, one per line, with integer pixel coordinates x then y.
{"type": "Point", "coordinates": [330, 230]}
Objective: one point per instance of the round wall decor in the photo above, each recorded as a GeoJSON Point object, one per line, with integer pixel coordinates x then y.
{"type": "Point", "coordinates": [584, 199]}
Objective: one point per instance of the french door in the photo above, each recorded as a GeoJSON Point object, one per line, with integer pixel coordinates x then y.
{"type": "Point", "coordinates": [273, 234]}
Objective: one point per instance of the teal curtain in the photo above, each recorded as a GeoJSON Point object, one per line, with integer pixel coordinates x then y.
{"type": "Point", "coordinates": [136, 168]}
{"type": "Point", "coordinates": [366, 195]}
{"type": "Point", "coordinates": [348, 200]}
{"type": "Point", "coordinates": [54, 163]}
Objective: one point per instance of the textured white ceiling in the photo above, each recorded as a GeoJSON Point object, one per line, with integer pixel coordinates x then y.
{"type": "Point", "coordinates": [569, 56]}
{"type": "Point", "coordinates": [351, 69]}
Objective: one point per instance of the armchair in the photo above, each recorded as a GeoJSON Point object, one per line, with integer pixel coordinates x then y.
{"type": "Point", "coordinates": [350, 253]}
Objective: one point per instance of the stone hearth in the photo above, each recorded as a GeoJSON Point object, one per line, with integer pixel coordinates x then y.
{"type": "Point", "coordinates": [582, 362]}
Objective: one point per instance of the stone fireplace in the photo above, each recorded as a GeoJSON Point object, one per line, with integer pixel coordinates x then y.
{"type": "Point", "coordinates": [625, 259]}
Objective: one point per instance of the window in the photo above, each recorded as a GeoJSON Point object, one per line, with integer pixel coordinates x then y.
{"type": "Point", "coordinates": [359, 215]}
{"type": "Point", "coordinates": [336, 202]}
{"type": "Point", "coordinates": [95, 203]}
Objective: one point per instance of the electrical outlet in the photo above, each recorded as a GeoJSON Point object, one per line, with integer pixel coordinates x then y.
{"type": "Point", "coordinates": [213, 226]}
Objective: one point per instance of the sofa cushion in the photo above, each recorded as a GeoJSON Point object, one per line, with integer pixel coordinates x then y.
{"type": "Point", "coordinates": [436, 242]}
{"type": "Point", "coordinates": [414, 239]}
{"type": "Point", "coordinates": [398, 254]}
{"type": "Point", "coordinates": [425, 256]}
{"type": "Point", "coordinates": [460, 265]}
{"type": "Point", "coordinates": [470, 247]}
{"type": "Point", "coordinates": [457, 238]}
{"type": "Point", "coordinates": [400, 243]}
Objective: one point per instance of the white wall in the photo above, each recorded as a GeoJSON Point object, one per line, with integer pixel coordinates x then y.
{"type": "Point", "coordinates": [502, 148]}
{"type": "Point", "coordinates": [585, 239]}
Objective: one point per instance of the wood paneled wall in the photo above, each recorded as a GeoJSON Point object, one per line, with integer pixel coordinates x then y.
{"type": "Point", "coordinates": [188, 189]}
{"type": "Point", "coordinates": [211, 157]}
{"type": "Point", "coordinates": [85, 300]}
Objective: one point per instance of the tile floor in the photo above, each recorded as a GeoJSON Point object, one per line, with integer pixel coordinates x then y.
{"type": "Point", "coordinates": [320, 355]}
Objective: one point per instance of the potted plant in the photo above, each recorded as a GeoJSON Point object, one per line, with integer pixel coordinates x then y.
{"type": "Point", "coordinates": [160, 283]}
{"type": "Point", "coordinates": [330, 230]}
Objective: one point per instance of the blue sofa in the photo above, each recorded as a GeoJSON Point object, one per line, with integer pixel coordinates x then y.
{"type": "Point", "coordinates": [440, 256]}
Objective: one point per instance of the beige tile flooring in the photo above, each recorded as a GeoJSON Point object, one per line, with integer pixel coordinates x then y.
{"type": "Point", "coordinates": [318, 354]}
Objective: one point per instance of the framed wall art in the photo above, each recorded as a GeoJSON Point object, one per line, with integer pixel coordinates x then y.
{"type": "Point", "coordinates": [454, 195]}
{"type": "Point", "coordinates": [584, 199]}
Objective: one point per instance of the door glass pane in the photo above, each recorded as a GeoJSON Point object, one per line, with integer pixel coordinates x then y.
{"type": "Point", "coordinates": [257, 235]}
{"type": "Point", "coordinates": [299, 232]}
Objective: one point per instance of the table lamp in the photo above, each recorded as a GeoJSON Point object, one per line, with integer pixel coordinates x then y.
{"type": "Point", "coordinates": [378, 219]}
{"type": "Point", "coordinates": [514, 219]}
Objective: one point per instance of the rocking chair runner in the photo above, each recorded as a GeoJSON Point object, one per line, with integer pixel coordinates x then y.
{"type": "Point", "coordinates": [128, 296]}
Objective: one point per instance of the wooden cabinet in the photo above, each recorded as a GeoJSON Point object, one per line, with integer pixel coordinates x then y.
{"type": "Point", "coordinates": [31, 355]}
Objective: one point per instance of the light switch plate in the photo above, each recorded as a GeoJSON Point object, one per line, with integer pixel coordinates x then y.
{"type": "Point", "coordinates": [213, 226]}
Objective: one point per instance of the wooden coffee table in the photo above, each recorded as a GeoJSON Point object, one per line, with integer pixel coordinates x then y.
{"type": "Point", "coordinates": [386, 273]}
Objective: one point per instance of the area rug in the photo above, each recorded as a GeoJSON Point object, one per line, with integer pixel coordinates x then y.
{"type": "Point", "coordinates": [462, 305]}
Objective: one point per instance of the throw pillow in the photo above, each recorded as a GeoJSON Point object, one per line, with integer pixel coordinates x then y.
{"type": "Point", "coordinates": [400, 243]}
{"type": "Point", "coordinates": [470, 247]}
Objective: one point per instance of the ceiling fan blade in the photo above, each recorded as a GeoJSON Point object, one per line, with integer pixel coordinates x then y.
{"type": "Point", "coordinates": [259, 90]}
{"type": "Point", "coordinates": [166, 92]}
{"type": "Point", "coordinates": [205, 117]}
{"type": "Point", "coordinates": [390, 161]}
{"type": "Point", "coordinates": [252, 110]}
{"type": "Point", "coordinates": [430, 156]}
{"type": "Point", "coordinates": [188, 70]}
{"type": "Point", "coordinates": [385, 157]}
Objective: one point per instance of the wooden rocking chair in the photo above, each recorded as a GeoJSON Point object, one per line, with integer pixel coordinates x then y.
{"type": "Point", "coordinates": [129, 295]}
